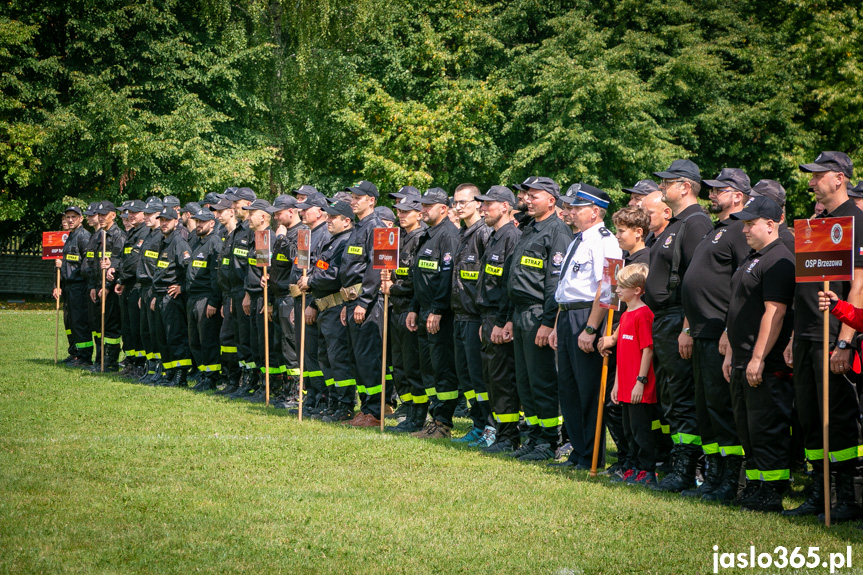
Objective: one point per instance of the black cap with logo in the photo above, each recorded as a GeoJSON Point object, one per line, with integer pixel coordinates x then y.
{"type": "Point", "coordinates": [759, 207]}
{"type": "Point", "coordinates": [498, 194]}
{"type": "Point", "coordinates": [681, 169]}
{"type": "Point", "coordinates": [830, 162]}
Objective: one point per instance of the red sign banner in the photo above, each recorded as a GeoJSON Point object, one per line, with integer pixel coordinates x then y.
{"type": "Point", "coordinates": [52, 245]}
{"type": "Point", "coordinates": [824, 249]}
{"type": "Point", "coordinates": [263, 249]}
{"type": "Point", "coordinates": [386, 249]}
{"type": "Point", "coordinates": [608, 286]}
{"type": "Point", "coordinates": [304, 242]}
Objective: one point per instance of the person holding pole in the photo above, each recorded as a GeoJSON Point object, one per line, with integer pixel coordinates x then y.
{"type": "Point", "coordinates": [231, 373]}
{"type": "Point", "coordinates": [830, 172]}
{"type": "Point", "coordinates": [144, 273]}
{"type": "Point", "coordinates": [129, 291]}
{"type": "Point", "coordinates": [73, 287]}
{"type": "Point", "coordinates": [759, 326]}
{"type": "Point", "coordinates": [580, 318]}
{"type": "Point", "coordinates": [110, 257]}
{"type": "Point", "coordinates": [91, 270]}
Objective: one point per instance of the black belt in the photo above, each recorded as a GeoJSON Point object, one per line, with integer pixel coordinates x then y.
{"type": "Point", "coordinates": [574, 305]}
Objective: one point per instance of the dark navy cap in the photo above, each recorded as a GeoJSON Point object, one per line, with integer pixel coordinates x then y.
{"type": "Point", "coordinates": [203, 215]}
{"type": "Point", "coordinates": [153, 206]}
{"type": "Point", "coordinates": [731, 178]}
{"type": "Point", "coordinates": [542, 183]}
{"type": "Point", "coordinates": [498, 194]}
{"type": "Point", "coordinates": [404, 192]}
{"type": "Point", "coordinates": [284, 202]}
{"type": "Point", "coordinates": [75, 209]}
{"type": "Point", "coordinates": [91, 209]}
{"type": "Point", "coordinates": [681, 169]}
{"type": "Point", "coordinates": [305, 190]}
{"type": "Point", "coordinates": [260, 204]}
{"type": "Point", "coordinates": [410, 204]}
{"type": "Point", "coordinates": [385, 213]}
{"type": "Point", "coordinates": [104, 207]}
{"type": "Point", "coordinates": [340, 209]}
{"type": "Point", "coordinates": [525, 185]}
{"type": "Point", "coordinates": [759, 207]}
{"type": "Point", "coordinates": [241, 194]}
{"type": "Point", "coordinates": [191, 208]}
{"type": "Point", "coordinates": [313, 200]}
{"type": "Point", "coordinates": [642, 188]}
{"type": "Point", "coordinates": [363, 188]}
{"type": "Point", "coordinates": [830, 162]}
{"type": "Point", "coordinates": [222, 204]}
{"type": "Point", "coordinates": [171, 202]}
{"type": "Point", "coordinates": [769, 189]}
{"type": "Point", "coordinates": [211, 199]}
{"type": "Point", "coordinates": [582, 194]}
{"type": "Point", "coordinates": [168, 213]}
{"type": "Point", "coordinates": [856, 191]}
{"type": "Point", "coordinates": [434, 196]}
{"type": "Point", "coordinates": [340, 196]}
{"type": "Point", "coordinates": [135, 206]}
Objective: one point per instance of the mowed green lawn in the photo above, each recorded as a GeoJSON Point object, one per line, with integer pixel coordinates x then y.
{"type": "Point", "coordinates": [101, 476]}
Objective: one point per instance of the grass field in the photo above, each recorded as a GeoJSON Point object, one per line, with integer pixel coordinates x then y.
{"type": "Point", "coordinates": [101, 476]}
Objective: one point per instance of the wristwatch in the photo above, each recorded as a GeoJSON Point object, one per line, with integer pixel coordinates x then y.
{"type": "Point", "coordinates": [686, 330]}
{"type": "Point", "coordinates": [842, 344]}
{"type": "Point", "coordinates": [641, 379]}
{"type": "Point", "coordinates": [590, 330]}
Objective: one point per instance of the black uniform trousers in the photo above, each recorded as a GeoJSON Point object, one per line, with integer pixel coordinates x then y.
{"type": "Point", "coordinates": [242, 330]}
{"type": "Point", "coordinates": [674, 380]}
{"type": "Point", "coordinates": [257, 319]}
{"type": "Point", "coordinates": [227, 342]}
{"type": "Point", "coordinates": [844, 408]}
{"type": "Point", "coordinates": [437, 358]}
{"type": "Point", "coordinates": [131, 320]}
{"type": "Point", "coordinates": [171, 331]}
{"type": "Point", "coordinates": [406, 361]}
{"type": "Point", "coordinates": [204, 335]}
{"type": "Point", "coordinates": [612, 416]}
{"type": "Point", "coordinates": [713, 401]}
{"type": "Point", "coordinates": [313, 378]}
{"type": "Point", "coordinates": [498, 367]}
{"type": "Point", "coordinates": [147, 322]}
{"type": "Point", "coordinates": [578, 381]}
{"type": "Point", "coordinates": [637, 421]}
{"type": "Point", "coordinates": [333, 356]}
{"type": "Point", "coordinates": [365, 342]}
{"type": "Point", "coordinates": [77, 295]}
{"type": "Point", "coordinates": [113, 318]}
{"type": "Point", "coordinates": [763, 418]}
{"type": "Point", "coordinates": [468, 361]}
{"type": "Point", "coordinates": [536, 377]}
{"type": "Point", "coordinates": [289, 340]}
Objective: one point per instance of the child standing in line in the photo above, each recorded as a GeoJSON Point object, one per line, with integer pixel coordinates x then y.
{"type": "Point", "coordinates": [635, 384]}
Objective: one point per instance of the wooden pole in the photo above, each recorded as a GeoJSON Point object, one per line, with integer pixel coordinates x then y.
{"type": "Point", "coordinates": [265, 311]}
{"type": "Point", "coordinates": [104, 271]}
{"type": "Point", "coordinates": [825, 409]}
{"type": "Point", "coordinates": [599, 411]}
{"type": "Point", "coordinates": [57, 323]}
{"type": "Point", "coordinates": [384, 361]}
{"type": "Point", "coordinates": [302, 320]}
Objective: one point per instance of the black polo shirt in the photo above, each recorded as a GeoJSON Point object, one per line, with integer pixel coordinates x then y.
{"type": "Point", "coordinates": [808, 321]}
{"type": "Point", "coordinates": [657, 293]}
{"type": "Point", "coordinates": [642, 256]}
{"type": "Point", "coordinates": [766, 275]}
{"type": "Point", "coordinates": [706, 290]}
{"type": "Point", "coordinates": [787, 237]}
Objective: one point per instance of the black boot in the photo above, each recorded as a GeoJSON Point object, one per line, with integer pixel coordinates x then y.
{"type": "Point", "coordinates": [814, 503]}
{"type": "Point", "coordinates": [768, 497]}
{"type": "Point", "coordinates": [204, 382]}
{"type": "Point", "coordinates": [246, 388]}
{"type": "Point", "coordinates": [683, 474]}
{"type": "Point", "coordinates": [712, 476]}
{"type": "Point", "coordinates": [846, 508]}
{"type": "Point", "coordinates": [112, 356]}
{"type": "Point", "coordinates": [231, 381]}
{"type": "Point", "coordinates": [415, 420]}
{"type": "Point", "coordinates": [166, 378]}
{"type": "Point", "coordinates": [179, 377]}
{"type": "Point", "coordinates": [726, 490]}
{"type": "Point", "coordinates": [156, 376]}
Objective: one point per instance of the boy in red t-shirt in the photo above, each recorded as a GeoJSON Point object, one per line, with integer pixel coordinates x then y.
{"type": "Point", "coordinates": [635, 385]}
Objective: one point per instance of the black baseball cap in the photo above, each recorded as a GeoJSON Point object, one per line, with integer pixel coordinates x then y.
{"type": "Point", "coordinates": [769, 189]}
{"type": "Point", "coordinates": [363, 188]}
{"type": "Point", "coordinates": [542, 183]}
{"type": "Point", "coordinates": [171, 202]}
{"type": "Point", "coordinates": [313, 200]}
{"type": "Point", "coordinates": [260, 204]}
{"type": "Point", "coordinates": [681, 169]}
{"type": "Point", "coordinates": [340, 196]}
{"type": "Point", "coordinates": [582, 194]}
{"type": "Point", "coordinates": [409, 204]}
{"type": "Point", "coordinates": [104, 207]}
{"type": "Point", "coordinates": [211, 199]}
{"type": "Point", "coordinates": [91, 209]}
{"type": "Point", "coordinates": [135, 206]}
{"type": "Point", "coordinates": [222, 204]}
{"type": "Point", "coordinates": [830, 162]}
{"type": "Point", "coordinates": [498, 194]}
{"type": "Point", "coordinates": [525, 185]}
{"type": "Point", "coordinates": [856, 191]}
{"type": "Point", "coordinates": [204, 215]}
{"type": "Point", "coordinates": [434, 196]}
{"type": "Point", "coordinates": [728, 178]}
{"type": "Point", "coordinates": [642, 188]}
{"type": "Point", "coordinates": [385, 213]}
{"type": "Point", "coordinates": [241, 194]}
{"type": "Point", "coordinates": [284, 202]}
{"type": "Point", "coordinates": [168, 213]}
{"type": "Point", "coordinates": [759, 207]}
{"type": "Point", "coordinates": [340, 209]}
{"type": "Point", "coordinates": [191, 207]}
{"type": "Point", "coordinates": [405, 192]}
{"type": "Point", "coordinates": [75, 209]}
{"type": "Point", "coordinates": [305, 190]}
{"type": "Point", "coordinates": [153, 206]}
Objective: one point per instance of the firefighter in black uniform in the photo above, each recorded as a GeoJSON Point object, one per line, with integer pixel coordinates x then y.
{"type": "Point", "coordinates": [498, 356]}
{"type": "Point", "coordinates": [363, 311]}
{"type": "Point", "coordinates": [169, 301]}
{"type": "Point", "coordinates": [260, 311]}
{"type": "Point", "coordinates": [144, 272]}
{"type": "Point", "coordinates": [314, 217]}
{"type": "Point", "coordinates": [74, 288]}
{"type": "Point", "coordinates": [405, 346]}
{"type": "Point", "coordinates": [92, 272]}
{"type": "Point", "coordinates": [323, 283]}
{"type": "Point", "coordinates": [773, 190]}
{"type": "Point", "coordinates": [130, 296]}
{"type": "Point", "coordinates": [762, 289]}
{"type": "Point", "coordinates": [431, 315]}
{"type": "Point", "coordinates": [204, 300]}
{"type": "Point", "coordinates": [706, 294]}
{"type": "Point", "coordinates": [468, 348]}
{"type": "Point", "coordinates": [113, 239]}
{"type": "Point", "coordinates": [231, 373]}
{"type": "Point", "coordinates": [531, 284]}
{"type": "Point", "coordinates": [830, 172]}
{"type": "Point", "coordinates": [669, 260]}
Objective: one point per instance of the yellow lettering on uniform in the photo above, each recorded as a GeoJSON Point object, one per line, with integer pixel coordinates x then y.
{"type": "Point", "coordinates": [127, 250]}
{"type": "Point", "coordinates": [493, 271]}
{"type": "Point", "coordinates": [468, 275]}
{"type": "Point", "coordinates": [162, 264]}
{"type": "Point", "coordinates": [199, 263]}
{"type": "Point", "coordinates": [355, 250]}
{"type": "Point", "coordinates": [282, 258]}
{"type": "Point", "coordinates": [72, 258]}
{"type": "Point", "coordinates": [241, 253]}
{"type": "Point", "coordinates": [402, 271]}
{"type": "Point", "coordinates": [253, 261]}
{"type": "Point", "coordinates": [90, 254]}
{"type": "Point", "coordinates": [427, 265]}
{"type": "Point", "coordinates": [225, 261]}
{"type": "Point", "coordinates": [531, 262]}
{"type": "Point", "coordinates": [151, 254]}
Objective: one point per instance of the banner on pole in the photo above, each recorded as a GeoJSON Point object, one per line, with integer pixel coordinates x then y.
{"type": "Point", "coordinates": [263, 249]}
{"type": "Point", "coordinates": [608, 286]}
{"type": "Point", "coordinates": [52, 245]}
{"type": "Point", "coordinates": [386, 249]}
{"type": "Point", "coordinates": [824, 249]}
{"type": "Point", "coordinates": [304, 243]}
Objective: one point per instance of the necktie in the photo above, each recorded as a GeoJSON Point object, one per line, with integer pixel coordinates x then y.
{"type": "Point", "coordinates": [575, 244]}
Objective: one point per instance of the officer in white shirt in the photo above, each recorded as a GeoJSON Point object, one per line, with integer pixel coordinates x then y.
{"type": "Point", "coordinates": [580, 317]}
